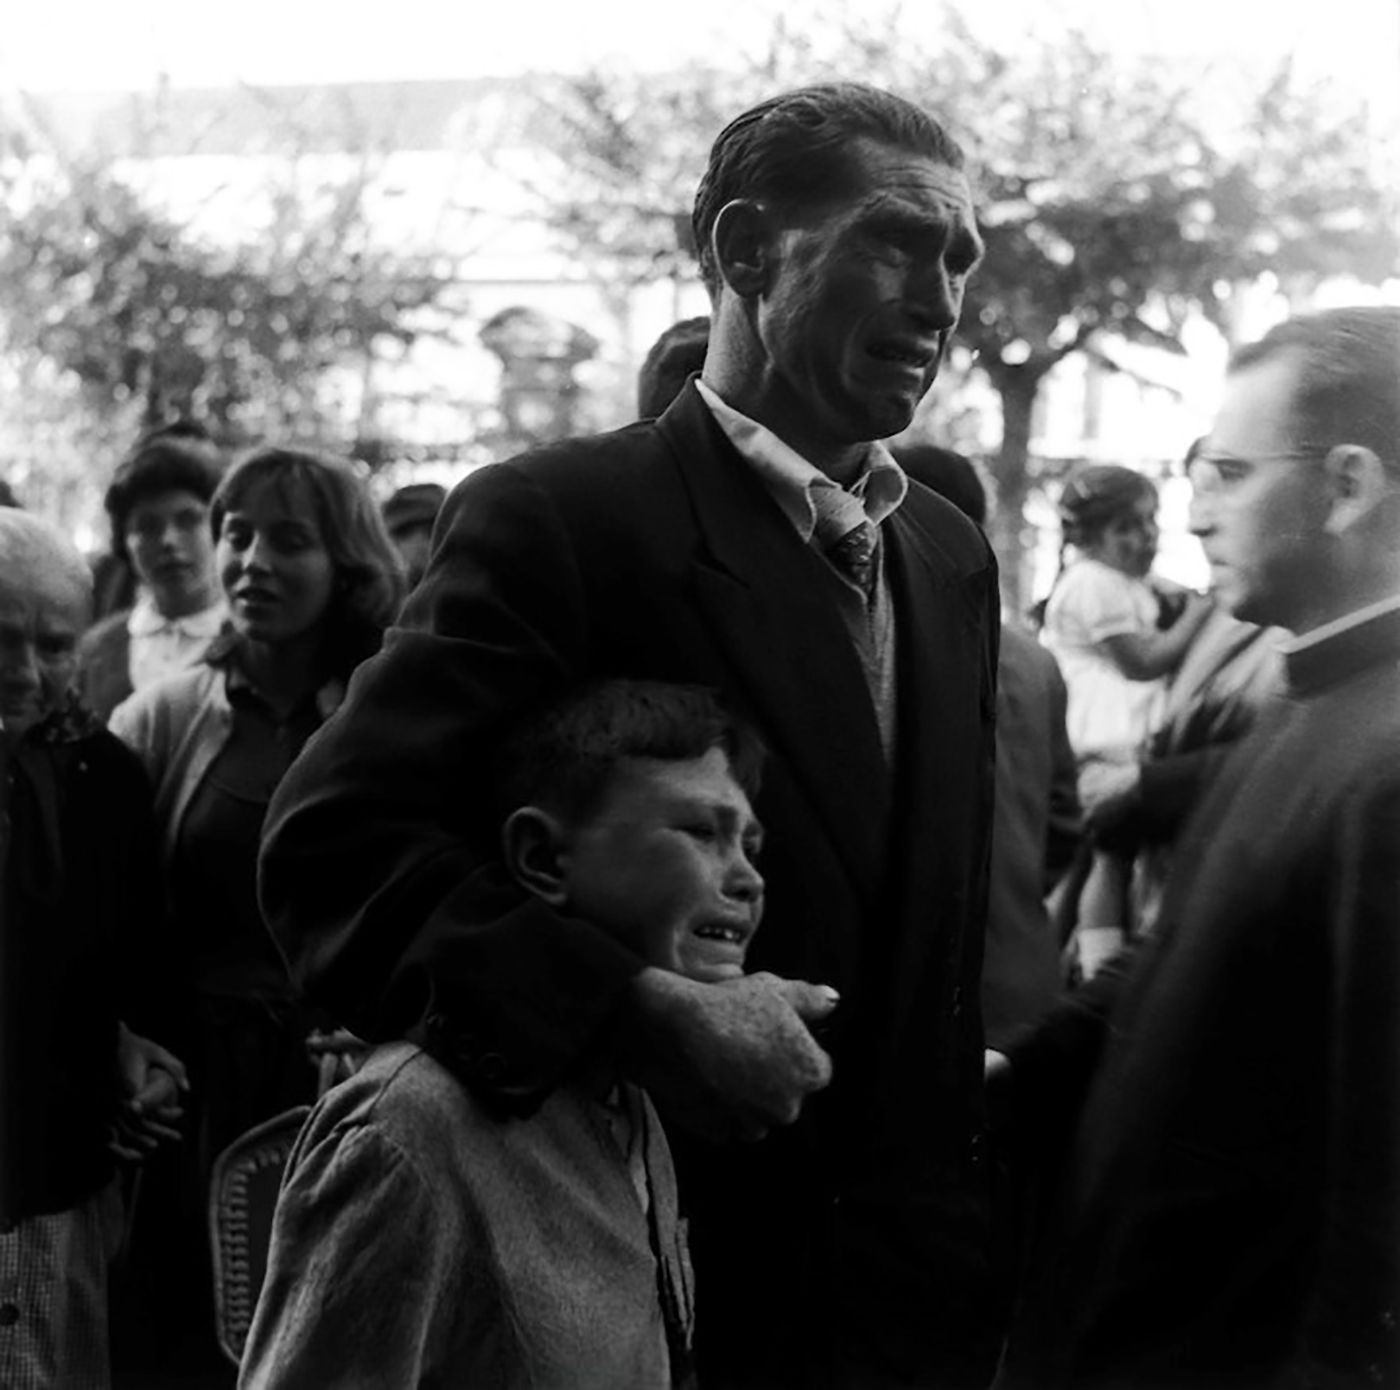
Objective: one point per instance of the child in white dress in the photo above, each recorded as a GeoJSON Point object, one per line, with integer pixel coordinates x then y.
{"type": "Point", "coordinates": [1102, 624]}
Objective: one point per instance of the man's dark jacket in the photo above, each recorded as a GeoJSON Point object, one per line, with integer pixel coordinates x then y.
{"type": "Point", "coordinates": [656, 552]}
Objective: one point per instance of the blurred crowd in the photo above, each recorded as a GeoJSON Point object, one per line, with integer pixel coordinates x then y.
{"type": "Point", "coordinates": [384, 834]}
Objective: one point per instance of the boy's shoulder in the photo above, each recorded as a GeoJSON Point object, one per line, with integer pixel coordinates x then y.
{"type": "Point", "coordinates": [397, 1083]}
{"type": "Point", "coordinates": [405, 1100]}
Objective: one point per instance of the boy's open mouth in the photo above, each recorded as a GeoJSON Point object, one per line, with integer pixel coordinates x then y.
{"type": "Point", "coordinates": [722, 931]}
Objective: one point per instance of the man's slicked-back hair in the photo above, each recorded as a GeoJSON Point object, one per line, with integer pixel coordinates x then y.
{"type": "Point", "coordinates": [793, 150]}
{"type": "Point", "coordinates": [561, 756]}
{"type": "Point", "coordinates": [1348, 388]}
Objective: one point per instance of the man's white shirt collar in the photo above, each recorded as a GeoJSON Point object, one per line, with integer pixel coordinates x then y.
{"type": "Point", "coordinates": [1339, 625]}
{"type": "Point", "coordinates": [790, 478]}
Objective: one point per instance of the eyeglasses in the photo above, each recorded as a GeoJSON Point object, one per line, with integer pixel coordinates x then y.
{"type": "Point", "coordinates": [1216, 473]}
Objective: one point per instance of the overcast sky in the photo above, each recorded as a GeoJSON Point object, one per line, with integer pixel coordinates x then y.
{"type": "Point", "coordinates": [127, 44]}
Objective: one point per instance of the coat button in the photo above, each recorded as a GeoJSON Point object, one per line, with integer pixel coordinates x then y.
{"type": "Point", "coordinates": [9, 1315]}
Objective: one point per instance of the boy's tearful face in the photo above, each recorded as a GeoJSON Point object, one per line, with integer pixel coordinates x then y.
{"type": "Point", "coordinates": [667, 865]}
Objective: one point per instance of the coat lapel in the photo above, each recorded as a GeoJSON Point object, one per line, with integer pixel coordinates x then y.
{"type": "Point", "coordinates": [945, 722]}
{"type": "Point", "coordinates": [768, 602]}
{"type": "Point", "coordinates": [939, 628]}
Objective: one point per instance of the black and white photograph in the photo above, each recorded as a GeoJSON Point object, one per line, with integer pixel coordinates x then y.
{"type": "Point", "coordinates": [700, 699]}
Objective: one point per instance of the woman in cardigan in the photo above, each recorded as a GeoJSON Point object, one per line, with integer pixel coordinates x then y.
{"type": "Point", "coordinates": [311, 579]}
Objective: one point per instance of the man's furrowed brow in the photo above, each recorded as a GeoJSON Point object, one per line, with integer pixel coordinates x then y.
{"type": "Point", "coordinates": [898, 207]}
{"type": "Point", "coordinates": [951, 220]}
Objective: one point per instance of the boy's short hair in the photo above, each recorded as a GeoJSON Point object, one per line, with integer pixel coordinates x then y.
{"type": "Point", "coordinates": [562, 755]}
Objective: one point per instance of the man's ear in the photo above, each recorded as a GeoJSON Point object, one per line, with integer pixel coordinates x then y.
{"type": "Point", "coordinates": [533, 844]}
{"type": "Point", "coordinates": [743, 243]}
{"type": "Point", "coordinates": [1356, 482]}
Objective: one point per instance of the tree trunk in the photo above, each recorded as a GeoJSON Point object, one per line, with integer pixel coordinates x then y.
{"type": "Point", "coordinates": [1010, 534]}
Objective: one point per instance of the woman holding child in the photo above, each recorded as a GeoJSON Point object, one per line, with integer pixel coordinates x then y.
{"type": "Point", "coordinates": [311, 579]}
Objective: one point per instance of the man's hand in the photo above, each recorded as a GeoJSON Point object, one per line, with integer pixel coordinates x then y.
{"type": "Point", "coordinates": [728, 1060]}
{"type": "Point", "coordinates": [152, 1081]}
{"type": "Point", "coordinates": [1109, 793]}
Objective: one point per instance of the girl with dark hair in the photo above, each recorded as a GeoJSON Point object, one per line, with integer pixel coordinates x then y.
{"type": "Point", "coordinates": [311, 579]}
{"type": "Point", "coordinates": [158, 507]}
{"type": "Point", "coordinates": [1101, 623]}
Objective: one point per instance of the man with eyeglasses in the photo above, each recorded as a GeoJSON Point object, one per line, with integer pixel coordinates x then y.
{"type": "Point", "coordinates": [1232, 1211]}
